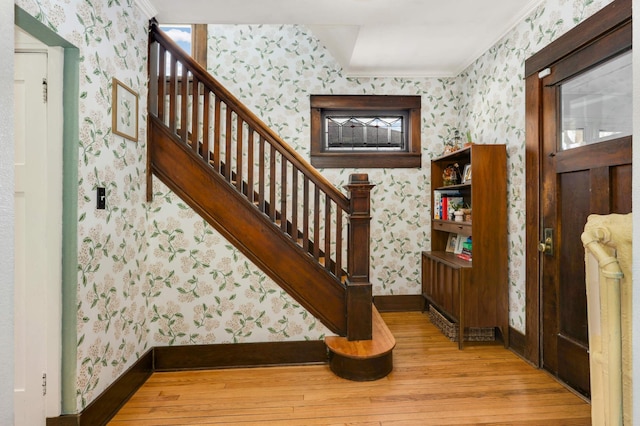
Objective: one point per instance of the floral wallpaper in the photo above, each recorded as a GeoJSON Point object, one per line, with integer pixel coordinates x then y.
{"type": "Point", "coordinates": [492, 106]}
{"type": "Point", "coordinates": [113, 324]}
{"type": "Point", "coordinates": [273, 70]}
{"type": "Point", "coordinates": [154, 273]}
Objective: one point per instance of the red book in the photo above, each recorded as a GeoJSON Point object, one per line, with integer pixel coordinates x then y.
{"type": "Point", "coordinates": [445, 208]}
{"type": "Point", "coordinates": [464, 256]}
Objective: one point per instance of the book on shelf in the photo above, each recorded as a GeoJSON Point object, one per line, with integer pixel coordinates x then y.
{"type": "Point", "coordinates": [437, 205]}
{"type": "Point", "coordinates": [459, 242]}
{"type": "Point", "coordinates": [444, 208]}
{"type": "Point", "coordinates": [453, 203]}
{"type": "Point", "coordinates": [467, 249]}
{"type": "Point", "coordinates": [464, 256]}
{"type": "Point", "coordinates": [443, 201]}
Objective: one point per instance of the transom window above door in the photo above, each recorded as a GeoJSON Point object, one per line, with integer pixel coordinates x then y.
{"type": "Point", "coordinates": [596, 105]}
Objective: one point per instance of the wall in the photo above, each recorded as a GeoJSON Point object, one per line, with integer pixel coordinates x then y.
{"type": "Point", "coordinates": [112, 327]}
{"type": "Point", "coordinates": [155, 274]}
{"type": "Point", "coordinates": [492, 94]}
{"type": "Point", "coordinates": [6, 215]}
{"type": "Point", "coordinates": [274, 69]}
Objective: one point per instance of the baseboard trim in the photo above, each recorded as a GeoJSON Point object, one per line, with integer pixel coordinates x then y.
{"type": "Point", "coordinates": [399, 303]}
{"type": "Point", "coordinates": [235, 355]}
{"type": "Point", "coordinates": [64, 420]}
{"type": "Point", "coordinates": [197, 357]}
{"type": "Point", "coordinates": [107, 404]}
{"type": "Point", "coordinates": [517, 342]}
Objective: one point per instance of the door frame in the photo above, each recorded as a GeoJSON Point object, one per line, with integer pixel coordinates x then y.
{"type": "Point", "coordinates": [66, 404]}
{"type": "Point", "coordinates": [604, 22]}
{"type": "Point", "coordinates": [51, 206]}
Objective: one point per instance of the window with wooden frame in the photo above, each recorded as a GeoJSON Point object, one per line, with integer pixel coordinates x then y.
{"type": "Point", "coordinates": [368, 131]}
{"type": "Point", "coordinates": [191, 38]}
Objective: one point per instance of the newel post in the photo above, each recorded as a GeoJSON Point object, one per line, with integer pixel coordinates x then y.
{"type": "Point", "coordinates": [359, 292]}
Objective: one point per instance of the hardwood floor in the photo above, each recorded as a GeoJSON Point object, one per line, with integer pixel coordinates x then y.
{"type": "Point", "coordinates": [432, 383]}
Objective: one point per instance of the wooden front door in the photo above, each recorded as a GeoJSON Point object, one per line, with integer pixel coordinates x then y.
{"type": "Point", "coordinates": [585, 169]}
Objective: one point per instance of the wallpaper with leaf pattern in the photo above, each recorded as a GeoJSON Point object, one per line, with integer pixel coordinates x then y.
{"type": "Point", "coordinates": [154, 274]}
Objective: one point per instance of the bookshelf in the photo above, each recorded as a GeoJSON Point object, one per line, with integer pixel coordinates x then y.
{"type": "Point", "coordinates": [472, 294]}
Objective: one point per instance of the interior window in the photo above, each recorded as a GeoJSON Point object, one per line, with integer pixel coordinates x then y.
{"type": "Point", "coordinates": [353, 131]}
{"type": "Point", "coordinates": [181, 34]}
{"type": "Point", "coordinates": [191, 38]}
{"type": "Point", "coordinates": [365, 131]}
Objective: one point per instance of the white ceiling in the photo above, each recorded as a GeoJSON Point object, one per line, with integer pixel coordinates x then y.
{"type": "Point", "coordinates": [399, 38]}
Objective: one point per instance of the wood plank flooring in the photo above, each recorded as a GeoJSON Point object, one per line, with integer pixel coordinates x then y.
{"type": "Point", "coordinates": [433, 383]}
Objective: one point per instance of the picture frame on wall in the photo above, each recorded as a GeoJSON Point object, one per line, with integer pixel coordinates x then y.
{"type": "Point", "coordinates": [124, 111]}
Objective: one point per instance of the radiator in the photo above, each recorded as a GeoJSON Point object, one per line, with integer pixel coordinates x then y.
{"type": "Point", "coordinates": [607, 242]}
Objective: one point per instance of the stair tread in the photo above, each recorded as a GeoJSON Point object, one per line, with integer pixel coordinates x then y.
{"type": "Point", "coordinates": [382, 341]}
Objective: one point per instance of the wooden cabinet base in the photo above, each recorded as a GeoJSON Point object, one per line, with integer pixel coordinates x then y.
{"type": "Point", "coordinates": [455, 305]}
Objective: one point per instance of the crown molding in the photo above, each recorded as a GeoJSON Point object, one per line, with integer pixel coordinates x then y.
{"type": "Point", "coordinates": [147, 8]}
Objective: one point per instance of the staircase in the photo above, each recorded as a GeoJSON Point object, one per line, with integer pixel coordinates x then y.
{"type": "Point", "coordinates": [261, 195]}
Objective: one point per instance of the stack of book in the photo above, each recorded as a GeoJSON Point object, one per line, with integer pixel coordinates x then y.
{"type": "Point", "coordinates": [443, 203]}
{"type": "Point", "coordinates": [465, 252]}
{"type": "Point", "coordinates": [460, 245]}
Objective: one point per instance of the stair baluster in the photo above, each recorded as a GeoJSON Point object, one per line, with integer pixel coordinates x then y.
{"type": "Point", "coordinates": [190, 108]}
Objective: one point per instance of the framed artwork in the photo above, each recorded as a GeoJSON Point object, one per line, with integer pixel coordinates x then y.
{"type": "Point", "coordinates": [466, 175]}
{"type": "Point", "coordinates": [451, 243]}
{"type": "Point", "coordinates": [124, 111]}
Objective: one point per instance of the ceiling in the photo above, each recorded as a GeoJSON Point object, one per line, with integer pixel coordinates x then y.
{"type": "Point", "coordinates": [399, 38]}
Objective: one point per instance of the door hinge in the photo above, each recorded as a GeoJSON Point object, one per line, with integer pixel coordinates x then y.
{"type": "Point", "coordinates": [44, 384]}
{"type": "Point", "coordinates": [44, 90]}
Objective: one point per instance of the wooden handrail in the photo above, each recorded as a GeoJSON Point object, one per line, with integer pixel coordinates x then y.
{"type": "Point", "coordinates": [249, 117]}
{"type": "Point", "coordinates": [228, 139]}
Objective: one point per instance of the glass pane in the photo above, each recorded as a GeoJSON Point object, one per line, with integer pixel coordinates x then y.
{"type": "Point", "coordinates": [365, 133]}
{"type": "Point", "coordinates": [181, 34]}
{"type": "Point", "coordinates": [596, 105]}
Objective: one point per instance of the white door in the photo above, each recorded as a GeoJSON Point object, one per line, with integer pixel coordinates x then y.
{"type": "Point", "coordinates": [30, 321]}
{"type": "Point", "coordinates": [38, 213]}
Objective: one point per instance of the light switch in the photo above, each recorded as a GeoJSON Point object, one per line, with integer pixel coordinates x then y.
{"type": "Point", "coordinates": [101, 198]}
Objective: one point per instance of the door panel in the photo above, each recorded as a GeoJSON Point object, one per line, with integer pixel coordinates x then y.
{"type": "Point", "coordinates": [601, 189]}
{"type": "Point", "coordinates": [590, 44]}
{"type": "Point", "coordinates": [573, 364]}
{"type": "Point", "coordinates": [574, 202]}
{"type": "Point", "coordinates": [38, 194]}
{"type": "Point", "coordinates": [573, 339]}
{"type": "Point", "coordinates": [29, 299]}
{"type": "Point", "coordinates": [585, 170]}
{"type": "Point", "coordinates": [621, 182]}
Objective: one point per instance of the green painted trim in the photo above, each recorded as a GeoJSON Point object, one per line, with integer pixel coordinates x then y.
{"type": "Point", "coordinates": [38, 30]}
{"type": "Point", "coordinates": [71, 97]}
{"type": "Point", "coordinates": [71, 136]}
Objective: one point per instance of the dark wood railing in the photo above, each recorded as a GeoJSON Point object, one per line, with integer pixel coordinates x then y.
{"type": "Point", "coordinates": [198, 113]}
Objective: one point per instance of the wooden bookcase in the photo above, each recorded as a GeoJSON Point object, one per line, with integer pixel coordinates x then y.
{"type": "Point", "coordinates": [472, 294]}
